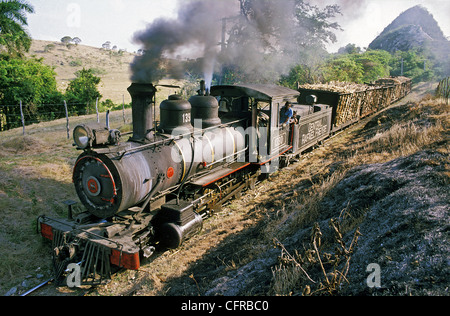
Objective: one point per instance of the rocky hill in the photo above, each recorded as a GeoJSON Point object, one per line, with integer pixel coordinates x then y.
{"type": "Point", "coordinates": [414, 28]}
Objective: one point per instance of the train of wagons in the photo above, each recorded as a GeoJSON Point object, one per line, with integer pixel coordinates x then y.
{"type": "Point", "coordinates": [153, 188]}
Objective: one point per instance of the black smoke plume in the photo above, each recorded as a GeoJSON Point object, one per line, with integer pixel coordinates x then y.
{"type": "Point", "coordinates": [197, 28]}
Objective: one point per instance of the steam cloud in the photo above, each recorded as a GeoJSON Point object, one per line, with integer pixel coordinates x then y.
{"type": "Point", "coordinates": [198, 26]}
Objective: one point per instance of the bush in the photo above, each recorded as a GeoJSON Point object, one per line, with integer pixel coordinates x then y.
{"type": "Point", "coordinates": [76, 63]}
{"type": "Point", "coordinates": [360, 68]}
{"type": "Point", "coordinates": [29, 81]}
{"type": "Point", "coordinates": [83, 91]}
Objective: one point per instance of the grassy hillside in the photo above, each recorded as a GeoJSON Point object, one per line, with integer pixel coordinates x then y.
{"type": "Point", "coordinates": [252, 247]}
{"type": "Point", "coordinates": [35, 179]}
{"type": "Point", "coordinates": [113, 68]}
{"type": "Point", "coordinates": [110, 66]}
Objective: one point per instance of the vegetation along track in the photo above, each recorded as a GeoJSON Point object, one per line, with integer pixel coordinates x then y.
{"type": "Point", "coordinates": [236, 253]}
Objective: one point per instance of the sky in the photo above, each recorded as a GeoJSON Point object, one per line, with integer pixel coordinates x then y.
{"type": "Point", "coordinates": [98, 21]}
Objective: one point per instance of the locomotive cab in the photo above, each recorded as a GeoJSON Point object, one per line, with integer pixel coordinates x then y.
{"type": "Point", "coordinates": [260, 105]}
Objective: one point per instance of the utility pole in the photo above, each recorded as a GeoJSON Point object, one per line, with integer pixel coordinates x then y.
{"type": "Point", "coordinates": [242, 7]}
{"type": "Point", "coordinates": [224, 31]}
{"type": "Point", "coordinates": [402, 66]}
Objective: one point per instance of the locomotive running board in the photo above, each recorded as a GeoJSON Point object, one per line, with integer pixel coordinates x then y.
{"type": "Point", "coordinates": [220, 174]}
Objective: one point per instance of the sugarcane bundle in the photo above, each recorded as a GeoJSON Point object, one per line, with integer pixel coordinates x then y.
{"type": "Point", "coordinates": [337, 87]}
{"type": "Point", "coordinates": [443, 89]}
{"type": "Point", "coordinates": [349, 107]}
{"type": "Point", "coordinates": [371, 101]}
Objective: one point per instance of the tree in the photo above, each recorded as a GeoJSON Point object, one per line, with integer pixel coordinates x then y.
{"type": "Point", "coordinates": [76, 40]}
{"type": "Point", "coordinates": [82, 91]}
{"type": "Point", "coordinates": [357, 67]}
{"type": "Point", "coordinates": [343, 68]}
{"type": "Point", "coordinates": [29, 81]}
{"type": "Point", "coordinates": [300, 74]}
{"type": "Point", "coordinates": [66, 40]}
{"type": "Point", "coordinates": [375, 64]}
{"type": "Point", "coordinates": [106, 45]}
{"type": "Point", "coordinates": [13, 21]}
{"type": "Point", "coordinates": [314, 27]}
{"type": "Point", "coordinates": [415, 65]}
{"type": "Point", "coordinates": [271, 37]}
{"type": "Point", "coordinates": [350, 49]}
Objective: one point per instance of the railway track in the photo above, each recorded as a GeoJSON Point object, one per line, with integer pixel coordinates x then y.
{"type": "Point", "coordinates": [50, 288]}
{"type": "Point", "coordinates": [38, 287]}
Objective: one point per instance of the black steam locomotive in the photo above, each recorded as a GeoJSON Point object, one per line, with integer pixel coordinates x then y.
{"type": "Point", "coordinates": [156, 188]}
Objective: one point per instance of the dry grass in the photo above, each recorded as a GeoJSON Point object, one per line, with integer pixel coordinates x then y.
{"type": "Point", "coordinates": [291, 273]}
{"type": "Point", "coordinates": [415, 127]}
{"type": "Point", "coordinates": [35, 179]}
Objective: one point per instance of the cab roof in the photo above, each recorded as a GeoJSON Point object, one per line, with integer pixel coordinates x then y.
{"type": "Point", "coordinates": [258, 91]}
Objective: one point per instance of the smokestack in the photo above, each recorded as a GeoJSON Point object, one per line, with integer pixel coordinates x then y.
{"type": "Point", "coordinates": [202, 91]}
{"type": "Point", "coordinates": [142, 95]}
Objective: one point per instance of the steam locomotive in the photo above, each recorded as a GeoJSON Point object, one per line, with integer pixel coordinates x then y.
{"type": "Point", "coordinates": [156, 188]}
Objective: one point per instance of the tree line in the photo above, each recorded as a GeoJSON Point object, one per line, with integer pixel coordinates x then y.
{"type": "Point", "coordinates": [30, 82]}
{"type": "Point", "coordinates": [363, 67]}
{"type": "Point", "coordinates": [284, 42]}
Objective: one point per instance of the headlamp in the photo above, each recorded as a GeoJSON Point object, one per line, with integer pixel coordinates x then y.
{"type": "Point", "coordinates": [83, 136]}
{"type": "Point", "coordinates": [87, 136]}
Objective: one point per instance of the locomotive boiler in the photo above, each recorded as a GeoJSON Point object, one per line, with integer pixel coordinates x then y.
{"type": "Point", "coordinates": [110, 177]}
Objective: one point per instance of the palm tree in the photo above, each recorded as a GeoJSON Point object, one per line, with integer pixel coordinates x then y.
{"type": "Point", "coordinates": [13, 20]}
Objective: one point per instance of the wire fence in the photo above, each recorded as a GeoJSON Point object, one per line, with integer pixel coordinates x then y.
{"type": "Point", "coordinates": [23, 115]}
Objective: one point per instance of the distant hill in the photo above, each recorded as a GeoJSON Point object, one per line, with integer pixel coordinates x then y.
{"type": "Point", "coordinates": [112, 67]}
{"type": "Point", "coordinates": [414, 28]}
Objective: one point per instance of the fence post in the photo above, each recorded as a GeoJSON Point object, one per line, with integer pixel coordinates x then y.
{"type": "Point", "coordinates": [123, 109]}
{"type": "Point", "coordinates": [22, 117]}
{"type": "Point", "coordinates": [67, 119]}
{"type": "Point", "coordinates": [96, 110]}
{"type": "Point", "coordinates": [107, 119]}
